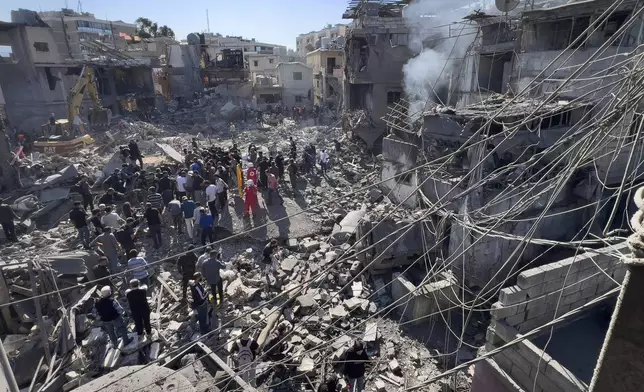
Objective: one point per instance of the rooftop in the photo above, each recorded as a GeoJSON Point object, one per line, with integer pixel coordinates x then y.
{"type": "Point", "coordinates": [505, 108]}
{"type": "Point", "coordinates": [386, 8]}
{"type": "Point", "coordinates": [574, 8]}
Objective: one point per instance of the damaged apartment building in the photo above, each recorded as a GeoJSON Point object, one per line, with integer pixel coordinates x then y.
{"type": "Point", "coordinates": [36, 76]}
{"type": "Point", "coordinates": [375, 52]}
{"type": "Point", "coordinates": [526, 153]}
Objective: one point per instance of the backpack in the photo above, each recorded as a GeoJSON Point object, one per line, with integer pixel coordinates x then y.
{"type": "Point", "coordinates": [245, 355]}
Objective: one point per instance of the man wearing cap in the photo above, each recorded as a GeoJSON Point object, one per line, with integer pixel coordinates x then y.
{"type": "Point", "coordinates": [187, 266]}
{"type": "Point", "coordinates": [140, 309]}
{"type": "Point", "coordinates": [110, 313]}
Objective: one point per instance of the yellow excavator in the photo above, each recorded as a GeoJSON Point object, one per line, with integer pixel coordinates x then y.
{"type": "Point", "coordinates": [64, 135]}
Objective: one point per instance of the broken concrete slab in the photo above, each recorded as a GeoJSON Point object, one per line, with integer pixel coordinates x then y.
{"type": "Point", "coordinates": [338, 312]}
{"type": "Point", "coordinates": [289, 264]}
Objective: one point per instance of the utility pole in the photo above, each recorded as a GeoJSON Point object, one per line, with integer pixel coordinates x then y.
{"type": "Point", "coordinates": [7, 373]}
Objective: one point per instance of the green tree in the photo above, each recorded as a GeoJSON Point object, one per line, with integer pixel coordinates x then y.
{"type": "Point", "coordinates": [145, 28]}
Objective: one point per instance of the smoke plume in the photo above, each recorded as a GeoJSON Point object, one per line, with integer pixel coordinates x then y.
{"type": "Point", "coordinates": [439, 44]}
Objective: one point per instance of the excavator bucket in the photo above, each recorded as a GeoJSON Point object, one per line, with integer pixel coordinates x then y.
{"type": "Point", "coordinates": [98, 118]}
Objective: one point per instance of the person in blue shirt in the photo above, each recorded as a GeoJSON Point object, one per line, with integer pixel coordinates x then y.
{"type": "Point", "coordinates": [196, 166]}
{"type": "Point", "coordinates": [205, 223]}
{"type": "Point", "coordinates": [188, 208]}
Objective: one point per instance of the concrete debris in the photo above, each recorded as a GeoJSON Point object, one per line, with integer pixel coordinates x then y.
{"type": "Point", "coordinates": [312, 287]}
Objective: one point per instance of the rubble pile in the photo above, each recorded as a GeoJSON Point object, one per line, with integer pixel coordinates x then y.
{"type": "Point", "coordinates": [305, 315]}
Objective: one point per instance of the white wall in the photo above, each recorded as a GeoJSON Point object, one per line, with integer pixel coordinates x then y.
{"type": "Point", "coordinates": [292, 88]}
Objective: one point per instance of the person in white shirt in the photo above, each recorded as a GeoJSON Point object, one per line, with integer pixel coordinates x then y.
{"type": "Point", "coordinates": [324, 158]}
{"type": "Point", "coordinates": [112, 219]}
{"type": "Point", "coordinates": [211, 198]}
{"type": "Point", "coordinates": [181, 185]}
{"type": "Point", "coordinates": [222, 194]}
{"type": "Point", "coordinates": [195, 224]}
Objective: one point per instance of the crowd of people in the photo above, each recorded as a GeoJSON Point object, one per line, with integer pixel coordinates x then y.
{"type": "Point", "coordinates": [189, 199]}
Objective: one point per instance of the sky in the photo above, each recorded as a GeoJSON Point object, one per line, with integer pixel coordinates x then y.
{"type": "Point", "coordinates": [274, 22]}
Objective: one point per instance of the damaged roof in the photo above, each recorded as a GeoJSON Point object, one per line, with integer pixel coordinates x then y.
{"type": "Point", "coordinates": [386, 8]}
{"type": "Point", "coordinates": [575, 8]}
{"type": "Point", "coordinates": [517, 108]}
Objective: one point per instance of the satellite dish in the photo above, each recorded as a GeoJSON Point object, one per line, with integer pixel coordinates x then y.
{"type": "Point", "coordinates": [506, 5]}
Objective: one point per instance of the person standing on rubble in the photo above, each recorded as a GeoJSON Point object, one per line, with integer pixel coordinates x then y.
{"type": "Point", "coordinates": [199, 303]}
{"type": "Point", "coordinates": [111, 218]}
{"type": "Point", "coordinates": [166, 188]}
{"type": "Point", "coordinates": [222, 194]}
{"type": "Point", "coordinates": [197, 183]}
{"type": "Point", "coordinates": [250, 198]}
{"type": "Point", "coordinates": [110, 197]}
{"type": "Point", "coordinates": [102, 273]}
{"type": "Point", "coordinates": [154, 199]}
{"type": "Point", "coordinates": [153, 217]}
{"type": "Point", "coordinates": [324, 158]}
{"type": "Point", "coordinates": [293, 153]}
{"type": "Point", "coordinates": [189, 186]}
{"type": "Point", "coordinates": [187, 266]}
{"type": "Point", "coordinates": [138, 267]}
{"type": "Point", "coordinates": [86, 193]}
{"type": "Point", "coordinates": [292, 174]}
{"type": "Point", "coordinates": [109, 246]}
{"type": "Point", "coordinates": [206, 222]}
{"type": "Point", "coordinates": [279, 162]}
{"type": "Point", "coordinates": [245, 351]}
{"type": "Point", "coordinates": [135, 153]}
{"type": "Point", "coordinates": [211, 269]}
{"type": "Point", "coordinates": [110, 313]}
{"type": "Point", "coordinates": [139, 308]}
{"type": "Point", "coordinates": [188, 210]}
{"type": "Point", "coordinates": [263, 172]}
{"type": "Point", "coordinates": [6, 220]}
{"type": "Point", "coordinates": [78, 217]}
{"type": "Point", "coordinates": [273, 189]}
{"type": "Point", "coordinates": [354, 366]}
{"type": "Point", "coordinates": [181, 184]}
{"type": "Point", "coordinates": [175, 211]}
{"type": "Point", "coordinates": [211, 197]}
{"type": "Point", "coordinates": [268, 259]}
{"type": "Point", "coordinates": [251, 173]}
{"type": "Point", "coordinates": [126, 235]}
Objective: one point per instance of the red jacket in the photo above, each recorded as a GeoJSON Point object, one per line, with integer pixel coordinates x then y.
{"type": "Point", "coordinates": [251, 194]}
{"type": "Point", "coordinates": [252, 175]}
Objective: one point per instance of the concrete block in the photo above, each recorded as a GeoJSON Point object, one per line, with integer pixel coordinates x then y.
{"type": "Point", "coordinates": [518, 360]}
{"type": "Point", "coordinates": [572, 298]}
{"type": "Point", "coordinates": [536, 290]}
{"type": "Point", "coordinates": [499, 311]}
{"type": "Point", "coordinates": [589, 292]}
{"type": "Point", "coordinates": [591, 281]}
{"type": "Point", "coordinates": [564, 378]}
{"type": "Point", "coordinates": [531, 278]}
{"type": "Point", "coordinates": [512, 295]}
{"type": "Point", "coordinates": [529, 325]}
{"type": "Point", "coordinates": [522, 378]}
{"type": "Point", "coordinates": [587, 273]}
{"type": "Point", "coordinates": [562, 309]}
{"type": "Point", "coordinates": [553, 285]}
{"type": "Point", "coordinates": [536, 311]}
{"type": "Point", "coordinates": [554, 270]}
{"type": "Point", "coordinates": [503, 330]}
{"type": "Point", "coordinates": [516, 319]}
{"type": "Point", "coordinates": [604, 287]}
{"type": "Point", "coordinates": [503, 361]}
{"type": "Point", "coordinates": [572, 288]}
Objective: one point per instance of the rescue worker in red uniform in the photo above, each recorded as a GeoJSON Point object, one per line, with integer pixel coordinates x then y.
{"type": "Point", "coordinates": [250, 198]}
{"type": "Point", "coordinates": [251, 173]}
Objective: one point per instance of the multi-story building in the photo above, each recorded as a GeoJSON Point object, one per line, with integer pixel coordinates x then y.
{"type": "Point", "coordinates": [375, 52]}
{"type": "Point", "coordinates": [71, 29]}
{"type": "Point", "coordinates": [328, 76]}
{"type": "Point", "coordinates": [217, 43]}
{"type": "Point", "coordinates": [305, 43]}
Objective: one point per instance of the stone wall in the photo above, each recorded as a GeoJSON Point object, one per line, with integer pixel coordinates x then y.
{"type": "Point", "coordinates": [399, 157]}
{"type": "Point", "coordinates": [532, 302]}
{"type": "Point", "coordinates": [417, 304]}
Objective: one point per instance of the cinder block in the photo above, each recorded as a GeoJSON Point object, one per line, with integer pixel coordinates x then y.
{"type": "Point", "coordinates": [554, 270]}
{"type": "Point", "coordinates": [503, 361]}
{"type": "Point", "coordinates": [553, 285]}
{"type": "Point", "coordinates": [591, 281]}
{"type": "Point", "coordinates": [589, 292]}
{"type": "Point", "coordinates": [572, 298]}
{"type": "Point", "coordinates": [587, 273]}
{"type": "Point", "coordinates": [522, 378]}
{"type": "Point", "coordinates": [503, 330]}
{"type": "Point", "coordinates": [536, 311]}
{"type": "Point", "coordinates": [529, 325]}
{"type": "Point", "coordinates": [516, 319]}
{"type": "Point", "coordinates": [499, 311]}
{"type": "Point", "coordinates": [531, 277]}
{"type": "Point", "coordinates": [563, 378]}
{"type": "Point", "coordinates": [562, 309]}
{"type": "Point", "coordinates": [532, 352]}
{"type": "Point", "coordinates": [518, 360]}
{"type": "Point", "coordinates": [536, 290]}
{"type": "Point", "coordinates": [512, 295]}
{"type": "Point", "coordinates": [571, 288]}
{"type": "Point", "coordinates": [536, 302]}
